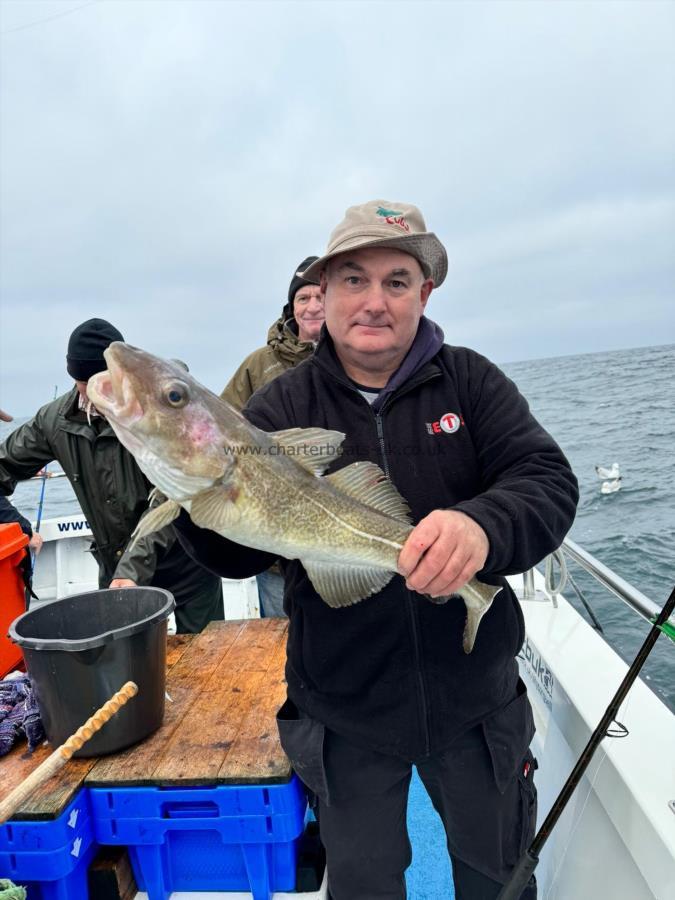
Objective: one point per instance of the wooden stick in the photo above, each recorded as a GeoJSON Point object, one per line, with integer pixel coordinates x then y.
{"type": "Point", "coordinates": [62, 754]}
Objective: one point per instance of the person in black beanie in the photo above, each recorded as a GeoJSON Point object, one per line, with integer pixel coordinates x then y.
{"type": "Point", "coordinates": [111, 489]}
{"type": "Point", "coordinates": [85, 348]}
{"type": "Point", "coordinates": [290, 340]}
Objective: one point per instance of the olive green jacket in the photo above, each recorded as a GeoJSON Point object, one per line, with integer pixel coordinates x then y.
{"type": "Point", "coordinates": [111, 489]}
{"type": "Point", "coordinates": [282, 351]}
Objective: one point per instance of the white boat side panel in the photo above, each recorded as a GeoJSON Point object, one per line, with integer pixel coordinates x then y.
{"type": "Point", "coordinates": [241, 599]}
{"type": "Point", "coordinates": [64, 527]}
{"type": "Point", "coordinates": [63, 568]}
{"type": "Point", "coordinates": [585, 855]}
{"type": "Point", "coordinates": [569, 692]}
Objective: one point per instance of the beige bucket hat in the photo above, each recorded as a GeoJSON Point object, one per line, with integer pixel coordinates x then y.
{"type": "Point", "coordinates": [385, 223]}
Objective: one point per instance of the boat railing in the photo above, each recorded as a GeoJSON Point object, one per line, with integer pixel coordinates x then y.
{"type": "Point", "coordinates": [618, 586]}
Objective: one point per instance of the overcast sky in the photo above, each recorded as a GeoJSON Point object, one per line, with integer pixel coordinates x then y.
{"type": "Point", "coordinates": [166, 165]}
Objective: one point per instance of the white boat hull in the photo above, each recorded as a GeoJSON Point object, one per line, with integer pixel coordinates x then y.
{"type": "Point", "coordinates": [616, 838]}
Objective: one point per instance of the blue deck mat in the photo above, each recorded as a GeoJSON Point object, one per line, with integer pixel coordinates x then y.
{"type": "Point", "coordinates": [429, 877]}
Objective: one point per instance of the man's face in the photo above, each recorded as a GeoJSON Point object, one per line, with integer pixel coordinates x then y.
{"type": "Point", "coordinates": [308, 312]}
{"type": "Point", "coordinates": [374, 299]}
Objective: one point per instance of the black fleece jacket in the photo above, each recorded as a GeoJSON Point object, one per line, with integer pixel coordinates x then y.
{"type": "Point", "coordinates": [390, 672]}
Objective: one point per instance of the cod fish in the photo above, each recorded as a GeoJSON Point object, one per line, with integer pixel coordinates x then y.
{"type": "Point", "coordinates": [263, 490]}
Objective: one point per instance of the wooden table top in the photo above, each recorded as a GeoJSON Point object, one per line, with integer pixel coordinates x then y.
{"type": "Point", "coordinates": [225, 685]}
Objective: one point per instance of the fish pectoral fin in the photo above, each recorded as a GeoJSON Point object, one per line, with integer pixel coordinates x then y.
{"type": "Point", "coordinates": [155, 519]}
{"type": "Point", "coordinates": [340, 585]}
{"type": "Point", "coordinates": [367, 483]}
{"type": "Point", "coordinates": [155, 497]}
{"type": "Point", "coordinates": [478, 598]}
{"type": "Point", "coordinates": [313, 448]}
{"type": "Point", "coordinates": [214, 509]}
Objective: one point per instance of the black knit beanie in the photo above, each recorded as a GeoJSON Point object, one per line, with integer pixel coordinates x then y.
{"type": "Point", "coordinates": [86, 346]}
{"type": "Point", "coordinates": [297, 281]}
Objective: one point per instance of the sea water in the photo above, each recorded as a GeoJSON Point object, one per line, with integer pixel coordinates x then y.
{"type": "Point", "coordinates": [619, 407]}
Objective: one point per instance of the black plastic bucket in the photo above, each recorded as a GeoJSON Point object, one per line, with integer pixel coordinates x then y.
{"type": "Point", "coordinates": [81, 649]}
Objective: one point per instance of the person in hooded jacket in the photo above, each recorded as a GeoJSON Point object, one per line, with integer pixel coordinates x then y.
{"type": "Point", "coordinates": [110, 487]}
{"type": "Point", "coordinates": [290, 340]}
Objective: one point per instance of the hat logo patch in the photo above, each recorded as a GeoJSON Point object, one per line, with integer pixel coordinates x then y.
{"type": "Point", "coordinates": [393, 217]}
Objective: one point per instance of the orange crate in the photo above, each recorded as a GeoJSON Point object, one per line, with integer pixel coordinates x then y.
{"type": "Point", "coordinates": [12, 593]}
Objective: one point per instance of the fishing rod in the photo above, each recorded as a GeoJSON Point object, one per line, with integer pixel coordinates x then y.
{"type": "Point", "coordinates": [527, 863]}
{"type": "Point", "coordinates": [45, 475]}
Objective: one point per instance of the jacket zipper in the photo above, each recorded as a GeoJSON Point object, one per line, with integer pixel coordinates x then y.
{"type": "Point", "coordinates": [424, 703]}
{"type": "Point", "coordinates": [422, 691]}
{"type": "Point", "coordinates": [380, 437]}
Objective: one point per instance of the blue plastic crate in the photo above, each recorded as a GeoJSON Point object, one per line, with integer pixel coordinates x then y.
{"type": "Point", "coordinates": [224, 838]}
{"type": "Point", "coordinates": [48, 834]}
{"type": "Point", "coordinates": [46, 853]}
{"type": "Point", "coordinates": [223, 801]}
{"type": "Point", "coordinates": [52, 874]}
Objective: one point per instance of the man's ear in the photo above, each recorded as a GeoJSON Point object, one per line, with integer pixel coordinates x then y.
{"type": "Point", "coordinates": [323, 282]}
{"type": "Point", "coordinates": [426, 288]}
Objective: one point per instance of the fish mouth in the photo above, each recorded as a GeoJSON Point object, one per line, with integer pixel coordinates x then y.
{"type": "Point", "coordinates": [112, 393]}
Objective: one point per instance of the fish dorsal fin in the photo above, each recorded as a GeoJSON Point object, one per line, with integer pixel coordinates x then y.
{"type": "Point", "coordinates": [155, 519]}
{"type": "Point", "coordinates": [367, 482]}
{"type": "Point", "coordinates": [339, 585]}
{"type": "Point", "coordinates": [214, 509]}
{"type": "Point", "coordinates": [313, 448]}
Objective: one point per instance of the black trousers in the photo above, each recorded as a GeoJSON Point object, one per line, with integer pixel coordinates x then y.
{"type": "Point", "coordinates": [361, 799]}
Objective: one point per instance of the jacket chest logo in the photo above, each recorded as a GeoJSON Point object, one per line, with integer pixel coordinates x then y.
{"type": "Point", "coordinates": [448, 423]}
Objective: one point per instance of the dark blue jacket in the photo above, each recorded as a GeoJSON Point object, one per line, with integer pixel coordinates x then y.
{"type": "Point", "coordinates": [390, 672]}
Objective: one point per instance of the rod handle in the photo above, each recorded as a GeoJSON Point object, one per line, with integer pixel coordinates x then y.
{"type": "Point", "coordinates": [520, 876]}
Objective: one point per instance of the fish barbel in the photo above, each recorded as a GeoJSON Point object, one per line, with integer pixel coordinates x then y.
{"type": "Point", "coordinates": [263, 490]}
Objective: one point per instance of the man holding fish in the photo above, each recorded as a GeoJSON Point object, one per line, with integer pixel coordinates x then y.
{"type": "Point", "coordinates": [384, 670]}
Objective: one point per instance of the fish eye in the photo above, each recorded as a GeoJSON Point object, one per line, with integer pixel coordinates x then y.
{"type": "Point", "coordinates": [176, 394]}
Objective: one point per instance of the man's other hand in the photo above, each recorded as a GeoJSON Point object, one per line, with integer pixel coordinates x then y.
{"type": "Point", "coordinates": [35, 543]}
{"type": "Point", "coordinates": [122, 583]}
{"type": "Point", "coordinates": [442, 553]}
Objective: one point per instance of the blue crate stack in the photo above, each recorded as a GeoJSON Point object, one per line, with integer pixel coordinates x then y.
{"type": "Point", "coordinates": [223, 838]}
{"type": "Point", "coordinates": [51, 857]}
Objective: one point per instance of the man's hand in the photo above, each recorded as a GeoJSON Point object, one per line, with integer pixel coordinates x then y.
{"type": "Point", "coordinates": [122, 583]}
{"type": "Point", "coordinates": [442, 553]}
{"type": "Point", "coordinates": [35, 543]}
